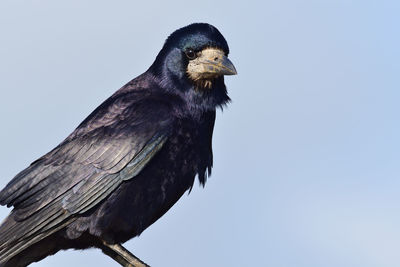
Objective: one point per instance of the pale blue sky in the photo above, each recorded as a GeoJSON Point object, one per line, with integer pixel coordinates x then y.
{"type": "Point", "coordinates": [306, 157]}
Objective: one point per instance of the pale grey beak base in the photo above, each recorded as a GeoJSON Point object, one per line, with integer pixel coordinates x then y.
{"type": "Point", "coordinates": [210, 64]}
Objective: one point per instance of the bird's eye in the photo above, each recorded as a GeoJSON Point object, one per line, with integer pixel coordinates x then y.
{"type": "Point", "coordinates": [190, 53]}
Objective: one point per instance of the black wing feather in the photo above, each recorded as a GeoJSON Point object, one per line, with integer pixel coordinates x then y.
{"type": "Point", "coordinates": [112, 145]}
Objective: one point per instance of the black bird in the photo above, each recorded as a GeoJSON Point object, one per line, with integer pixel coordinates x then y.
{"type": "Point", "coordinates": [128, 162]}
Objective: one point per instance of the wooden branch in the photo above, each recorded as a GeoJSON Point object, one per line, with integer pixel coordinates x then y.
{"type": "Point", "coordinates": [122, 255]}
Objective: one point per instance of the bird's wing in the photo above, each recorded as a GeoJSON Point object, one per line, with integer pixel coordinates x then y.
{"type": "Point", "coordinates": [114, 144]}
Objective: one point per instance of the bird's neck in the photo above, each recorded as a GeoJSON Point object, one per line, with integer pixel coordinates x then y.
{"type": "Point", "coordinates": [195, 100]}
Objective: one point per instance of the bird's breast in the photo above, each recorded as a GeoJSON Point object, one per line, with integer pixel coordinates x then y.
{"type": "Point", "coordinates": [139, 202]}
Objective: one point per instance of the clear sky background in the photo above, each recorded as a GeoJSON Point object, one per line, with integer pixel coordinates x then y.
{"type": "Point", "coordinates": [306, 156]}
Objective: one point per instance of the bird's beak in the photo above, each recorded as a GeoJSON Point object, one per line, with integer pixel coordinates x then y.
{"type": "Point", "coordinates": [210, 63]}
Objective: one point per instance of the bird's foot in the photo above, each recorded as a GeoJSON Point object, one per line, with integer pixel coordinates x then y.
{"type": "Point", "coordinates": [122, 255]}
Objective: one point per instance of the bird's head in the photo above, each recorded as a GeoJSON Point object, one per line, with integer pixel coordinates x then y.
{"type": "Point", "coordinates": [192, 62]}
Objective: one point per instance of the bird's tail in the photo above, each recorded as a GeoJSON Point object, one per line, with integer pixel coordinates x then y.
{"type": "Point", "coordinates": [33, 253]}
{"type": "Point", "coordinates": [22, 251]}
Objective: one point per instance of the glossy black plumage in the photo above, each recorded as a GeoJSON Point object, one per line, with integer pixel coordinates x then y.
{"type": "Point", "coordinates": [124, 166]}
